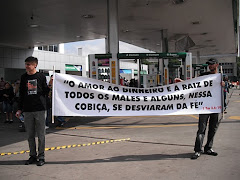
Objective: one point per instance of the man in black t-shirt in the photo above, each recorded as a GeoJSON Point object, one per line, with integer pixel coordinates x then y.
{"type": "Point", "coordinates": [32, 101]}
{"type": "Point", "coordinates": [204, 118]}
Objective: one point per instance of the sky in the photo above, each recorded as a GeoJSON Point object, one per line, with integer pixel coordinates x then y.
{"type": "Point", "coordinates": [98, 47]}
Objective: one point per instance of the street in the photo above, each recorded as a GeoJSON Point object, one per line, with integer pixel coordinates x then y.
{"type": "Point", "coordinates": [151, 147]}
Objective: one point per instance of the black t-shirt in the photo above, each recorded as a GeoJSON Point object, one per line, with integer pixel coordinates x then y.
{"type": "Point", "coordinates": [206, 73]}
{"type": "Point", "coordinates": [32, 93]}
{"type": "Point", "coordinates": [10, 94]}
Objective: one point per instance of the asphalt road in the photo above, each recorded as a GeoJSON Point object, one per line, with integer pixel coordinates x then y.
{"type": "Point", "coordinates": [125, 148]}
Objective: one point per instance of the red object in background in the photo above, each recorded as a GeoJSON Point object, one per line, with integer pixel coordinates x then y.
{"type": "Point", "coordinates": [122, 82]}
{"type": "Point", "coordinates": [177, 80]}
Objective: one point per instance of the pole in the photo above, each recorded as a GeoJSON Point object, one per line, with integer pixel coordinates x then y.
{"type": "Point", "coordinates": [222, 95]}
{"type": "Point", "coordinates": [139, 73]}
{"type": "Point", "coordinates": [53, 88]}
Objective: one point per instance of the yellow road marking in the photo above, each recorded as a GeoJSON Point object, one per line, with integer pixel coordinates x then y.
{"type": "Point", "coordinates": [234, 117]}
{"type": "Point", "coordinates": [129, 127]}
{"type": "Point", "coordinates": [146, 116]}
{"type": "Point", "coordinates": [68, 146]}
{"type": "Point", "coordinates": [196, 117]}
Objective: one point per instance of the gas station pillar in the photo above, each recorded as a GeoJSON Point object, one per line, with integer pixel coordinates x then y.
{"type": "Point", "coordinates": [113, 39]}
{"type": "Point", "coordinates": [164, 68]}
{"type": "Point", "coordinates": [197, 62]}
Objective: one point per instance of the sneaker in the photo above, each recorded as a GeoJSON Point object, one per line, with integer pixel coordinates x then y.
{"type": "Point", "coordinates": [31, 160]}
{"type": "Point", "coordinates": [41, 162]}
{"type": "Point", "coordinates": [211, 152]}
{"type": "Point", "coordinates": [11, 121]}
{"type": "Point", "coordinates": [196, 155]}
{"type": "Point", "coordinates": [46, 127]}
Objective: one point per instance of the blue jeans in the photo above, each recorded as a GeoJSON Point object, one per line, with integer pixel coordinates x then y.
{"type": "Point", "coordinates": [7, 107]}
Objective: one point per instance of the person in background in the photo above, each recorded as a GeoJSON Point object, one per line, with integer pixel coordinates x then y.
{"type": "Point", "coordinates": [32, 102]}
{"type": "Point", "coordinates": [49, 103]}
{"type": "Point", "coordinates": [60, 119]}
{"type": "Point", "coordinates": [16, 94]}
{"type": "Point", "coordinates": [225, 91]}
{"type": "Point", "coordinates": [8, 98]}
{"type": "Point", "coordinates": [2, 86]}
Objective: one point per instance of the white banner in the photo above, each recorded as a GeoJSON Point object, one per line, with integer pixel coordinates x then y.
{"type": "Point", "coordinates": [79, 96]}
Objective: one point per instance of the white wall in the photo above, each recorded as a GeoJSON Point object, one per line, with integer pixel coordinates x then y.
{"type": "Point", "coordinates": [15, 57]}
{"type": "Point", "coordinates": [130, 65]}
{"type": "Point", "coordinates": [61, 48]}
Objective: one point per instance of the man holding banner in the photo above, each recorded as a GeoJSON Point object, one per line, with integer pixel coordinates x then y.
{"type": "Point", "coordinates": [203, 119]}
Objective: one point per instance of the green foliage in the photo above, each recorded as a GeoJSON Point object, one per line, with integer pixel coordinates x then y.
{"type": "Point", "coordinates": [144, 61]}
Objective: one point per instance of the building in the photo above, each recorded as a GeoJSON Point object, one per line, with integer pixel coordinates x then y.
{"type": "Point", "coordinates": [12, 61]}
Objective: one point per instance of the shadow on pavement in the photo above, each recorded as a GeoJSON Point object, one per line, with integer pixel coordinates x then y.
{"type": "Point", "coordinates": [127, 158]}
{"type": "Point", "coordinates": [144, 142]}
{"type": "Point", "coordinates": [168, 144]}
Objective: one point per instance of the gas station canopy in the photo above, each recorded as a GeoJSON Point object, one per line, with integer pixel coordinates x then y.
{"type": "Point", "coordinates": [210, 24]}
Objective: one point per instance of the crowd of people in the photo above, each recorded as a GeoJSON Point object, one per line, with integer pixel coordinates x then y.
{"type": "Point", "coordinates": [9, 94]}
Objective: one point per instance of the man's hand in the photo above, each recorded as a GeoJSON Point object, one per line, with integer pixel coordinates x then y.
{"type": "Point", "coordinates": [18, 113]}
{"type": "Point", "coordinates": [176, 80]}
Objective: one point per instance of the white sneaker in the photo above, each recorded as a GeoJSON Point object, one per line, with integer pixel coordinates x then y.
{"type": "Point", "coordinates": [46, 127]}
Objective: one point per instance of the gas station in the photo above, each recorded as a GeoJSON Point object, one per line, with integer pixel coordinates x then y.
{"type": "Point", "coordinates": [152, 79]}
{"type": "Point", "coordinates": [137, 147]}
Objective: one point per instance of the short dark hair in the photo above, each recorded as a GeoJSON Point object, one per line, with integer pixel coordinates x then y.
{"type": "Point", "coordinates": [32, 59]}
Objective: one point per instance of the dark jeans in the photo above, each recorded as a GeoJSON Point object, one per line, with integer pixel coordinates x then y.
{"type": "Point", "coordinates": [202, 125]}
{"type": "Point", "coordinates": [225, 100]}
{"type": "Point", "coordinates": [35, 123]}
{"type": "Point", "coordinates": [7, 107]}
